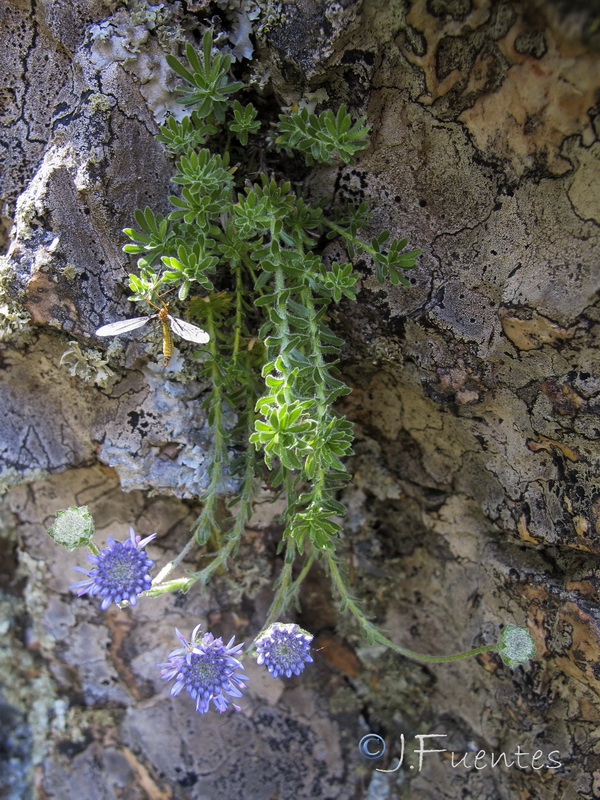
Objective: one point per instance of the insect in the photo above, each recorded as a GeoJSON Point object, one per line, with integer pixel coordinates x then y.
{"type": "Point", "coordinates": [184, 329]}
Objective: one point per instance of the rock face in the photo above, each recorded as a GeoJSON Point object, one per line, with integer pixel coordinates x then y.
{"type": "Point", "coordinates": [475, 499]}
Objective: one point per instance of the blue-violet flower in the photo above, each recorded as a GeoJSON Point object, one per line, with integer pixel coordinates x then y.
{"type": "Point", "coordinates": [284, 648]}
{"type": "Point", "coordinates": [207, 669]}
{"type": "Point", "coordinates": [121, 571]}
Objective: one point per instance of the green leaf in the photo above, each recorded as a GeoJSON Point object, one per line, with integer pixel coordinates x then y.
{"type": "Point", "coordinates": [244, 121]}
{"type": "Point", "coordinates": [209, 87]}
{"type": "Point", "coordinates": [186, 134]}
{"type": "Point", "coordinates": [154, 238]}
{"type": "Point", "coordinates": [325, 138]}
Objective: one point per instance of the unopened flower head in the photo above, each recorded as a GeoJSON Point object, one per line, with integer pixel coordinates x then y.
{"type": "Point", "coordinates": [206, 668]}
{"type": "Point", "coordinates": [121, 571]}
{"type": "Point", "coordinates": [284, 648]}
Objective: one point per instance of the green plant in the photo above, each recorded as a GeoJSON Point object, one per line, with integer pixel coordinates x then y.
{"type": "Point", "coordinates": [248, 239]}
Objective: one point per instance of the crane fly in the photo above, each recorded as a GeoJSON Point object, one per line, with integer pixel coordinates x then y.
{"type": "Point", "coordinates": [186, 330]}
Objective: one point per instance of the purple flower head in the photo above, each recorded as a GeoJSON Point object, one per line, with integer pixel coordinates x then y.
{"type": "Point", "coordinates": [207, 669]}
{"type": "Point", "coordinates": [284, 648]}
{"type": "Point", "coordinates": [121, 571]}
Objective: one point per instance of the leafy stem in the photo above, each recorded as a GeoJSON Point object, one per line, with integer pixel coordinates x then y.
{"type": "Point", "coordinates": [387, 263]}
{"type": "Point", "coordinates": [283, 585]}
{"type": "Point", "coordinates": [206, 524]}
{"type": "Point", "coordinates": [254, 247]}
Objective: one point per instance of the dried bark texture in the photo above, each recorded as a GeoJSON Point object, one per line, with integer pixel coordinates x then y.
{"type": "Point", "coordinates": [475, 497]}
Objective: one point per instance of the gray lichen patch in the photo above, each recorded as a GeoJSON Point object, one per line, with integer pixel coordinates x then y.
{"type": "Point", "coordinates": [14, 320]}
{"type": "Point", "coordinates": [308, 33]}
{"type": "Point", "coordinates": [152, 429]}
{"type": "Point", "coordinates": [46, 420]}
{"type": "Point", "coordinates": [87, 365]}
{"type": "Point", "coordinates": [153, 433]}
{"type": "Point", "coordinates": [125, 40]}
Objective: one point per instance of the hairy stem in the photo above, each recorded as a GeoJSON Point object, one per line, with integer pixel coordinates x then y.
{"type": "Point", "coordinates": [374, 635]}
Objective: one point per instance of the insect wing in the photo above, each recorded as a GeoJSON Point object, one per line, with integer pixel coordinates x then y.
{"type": "Point", "coordinates": [188, 331]}
{"type": "Point", "coordinates": [124, 325]}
